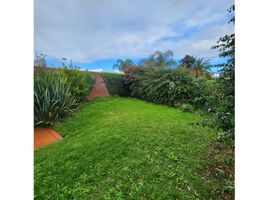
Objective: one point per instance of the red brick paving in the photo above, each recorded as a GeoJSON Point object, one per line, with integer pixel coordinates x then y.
{"type": "Point", "coordinates": [44, 137]}
{"type": "Point", "coordinates": [99, 89]}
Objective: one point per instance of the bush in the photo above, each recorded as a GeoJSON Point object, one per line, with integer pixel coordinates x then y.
{"type": "Point", "coordinates": [53, 99]}
{"type": "Point", "coordinates": [161, 86]}
{"type": "Point", "coordinates": [130, 77]}
{"type": "Point", "coordinates": [115, 83]}
{"type": "Point", "coordinates": [224, 118]}
{"type": "Point", "coordinates": [79, 82]}
{"type": "Point", "coordinates": [187, 108]}
{"type": "Point", "coordinates": [199, 93]}
{"type": "Point", "coordinates": [171, 87]}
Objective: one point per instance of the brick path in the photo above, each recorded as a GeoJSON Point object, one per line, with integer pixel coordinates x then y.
{"type": "Point", "coordinates": [45, 136]}
{"type": "Point", "coordinates": [99, 89]}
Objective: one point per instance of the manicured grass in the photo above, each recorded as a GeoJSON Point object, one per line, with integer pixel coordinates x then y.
{"type": "Point", "coordinates": [123, 148]}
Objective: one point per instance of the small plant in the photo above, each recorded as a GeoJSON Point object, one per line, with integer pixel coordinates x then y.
{"type": "Point", "coordinates": [187, 108]}
{"type": "Point", "coordinates": [53, 99]}
{"type": "Point", "coordinates": [225, 135]}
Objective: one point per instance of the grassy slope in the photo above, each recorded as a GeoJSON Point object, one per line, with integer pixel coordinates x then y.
{"type": "Point", "coordinates": [121, 148]}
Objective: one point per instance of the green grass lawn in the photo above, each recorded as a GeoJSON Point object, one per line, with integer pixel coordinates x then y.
{"type": "Point", "coordinates": [123, 148]}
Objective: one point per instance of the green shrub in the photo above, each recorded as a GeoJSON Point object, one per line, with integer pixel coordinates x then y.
{"type": "Point", "coordinates": [211, 102]}
{"type": "Point", "coordinates": [162, 86]}
{"type": "Point", "coordinates": [199, 93]}
{"type": "Point", "coordinates": [79, 82]}
{"type": "Point", "coordinates": [187, 108]}
{"type": "Point", "coordinates": [171, 87]}
{"type": "Point", "coordinates": [53, 99]}
{"type": "Point", "coordinates": [115, 84]}
{"type": "Point", "coordinates": [224, 118]}
{"type": "Point", "coordinates": [131, 74]}
{"type": "Point", "coordinates": [222, 104]}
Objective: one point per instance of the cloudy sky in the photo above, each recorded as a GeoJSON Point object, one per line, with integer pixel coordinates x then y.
{"type": "Point", "coordinates": [95, 33]}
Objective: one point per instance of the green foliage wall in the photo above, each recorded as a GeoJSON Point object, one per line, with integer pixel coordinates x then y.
{"type": "Point", "coordinates": [225, 116]}
{"type": "Point", "coordinates": [171, 87]}
{"type": "Point", "coordinates": [115, 84]}
{"type": "Point", "coordinates": [80, 83]}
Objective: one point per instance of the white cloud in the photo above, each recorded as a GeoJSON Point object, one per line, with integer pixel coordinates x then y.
{"type": "Point", "coordinates": [81, 69]}
{"type": "Point", "coordinates": [100, 29]}
{"type": "Point", "coordinates": [97, 70]}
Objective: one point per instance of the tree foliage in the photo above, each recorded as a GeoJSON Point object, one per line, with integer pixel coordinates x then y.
{"type": "Point", "coordinates": [188, 61]}
{"type": "Point", "coordinates": [80, 83]}
{"type": "Point", "coordinates": [159, 60]}
{"type": "Point", "coordinates": [199, 67]}
{"type": "Point", "coordinates": [115, 84]}
{"type": "Point", "coordinates": [123, 64]}
{"type": "Point", "coordinates": [169, 86]}
{"type": "Point", "coordinates": [224, 117]}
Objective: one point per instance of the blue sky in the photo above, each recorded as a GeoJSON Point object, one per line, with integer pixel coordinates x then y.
{"type": "Point", "coordinates": [95, 33]}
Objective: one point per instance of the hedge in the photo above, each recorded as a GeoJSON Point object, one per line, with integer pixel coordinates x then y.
{"type": "Point", "coordinates": [115, 83]}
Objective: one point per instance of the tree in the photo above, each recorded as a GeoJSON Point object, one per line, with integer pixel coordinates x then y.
{"type": "Point", "coordinates": [198, 67]}
{"type": "Point", "coordinates": [159, 60]}
{"type": "Point", "coordinates": [201, 68]}
{"type": "Point", "coordinates": [188, 61]}
{"type": "Point", "coordinates": [226, 98]}
{"type": "Point", "coordinates": [121, 64]}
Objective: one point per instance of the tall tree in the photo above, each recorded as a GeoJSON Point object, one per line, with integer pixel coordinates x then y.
{"type": "Point", "coordinates": [201, 68]}
{"type": "Point", "coordinates": [159, 60]}
{"type": "Point", "coordinates": [226, 48]}
{"type": "Point", "coordinates": [188, 61]}
{"type": "Point", "coordinates": [123, 64]}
